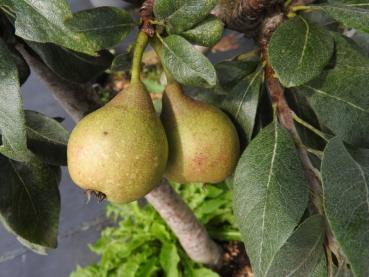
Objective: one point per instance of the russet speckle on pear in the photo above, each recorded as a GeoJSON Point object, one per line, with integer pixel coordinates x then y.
{"type": "Point", "coordinates": [203, 143]}
{"type": "Point", "coordinates": [121, 149]}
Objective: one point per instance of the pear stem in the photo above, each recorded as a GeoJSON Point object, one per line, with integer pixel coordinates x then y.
{"type": "Point", "coordinates": [157, 44]}
{"type": "Point", "coordinates": [141, 42]}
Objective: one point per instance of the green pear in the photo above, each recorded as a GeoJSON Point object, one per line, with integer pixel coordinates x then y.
{"type": "Point", "coordinates": [203, 143]}
{"type": "Point", "coordinates": [121, 149]}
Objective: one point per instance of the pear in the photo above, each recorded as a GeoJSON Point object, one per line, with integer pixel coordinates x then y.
{"type": "Point", "coordinates": [203, 143]}
{"type": "Point", "coordinates": [120, 150]}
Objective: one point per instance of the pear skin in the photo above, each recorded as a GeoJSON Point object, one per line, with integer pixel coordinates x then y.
{"type": "Point", "coordinates": [121, 149]}
{"type": "Point", "coordinates": [203, 143]}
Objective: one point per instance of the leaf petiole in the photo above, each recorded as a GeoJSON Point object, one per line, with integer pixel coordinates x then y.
{"type": "Point", "coordinates": [302, 8]}
{"type": "Point", "coordinates": [157, 22]}
{"type": "Point", "coordinates": [315, 152]}
{"type": "Point", "coordinates": [310, 127]}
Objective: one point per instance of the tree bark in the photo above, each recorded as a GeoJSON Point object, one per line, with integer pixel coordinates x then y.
{"type": "Point", "coordinates": [190, 232]}
{"type": "Point", "coordinates": [245, 16]}
{"type": "Point", "coordinates": [78, 101]}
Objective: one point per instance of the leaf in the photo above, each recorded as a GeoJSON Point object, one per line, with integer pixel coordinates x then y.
{"type": "Point", "coordinates": [344, 94]}
{"type": "Point", "coordinates": [300, 255]}
{"type": "Point", "coordinates": [187, 65]}
{"type": "Point", "coordinates": [204, 272]}
{"type": "Point", "coordinates": [164, 8]}
{"type": "Point", "coordinates": [361, 156]}
{"type": "Point", "coordinates": [349, 54]}
{"type": "Point", "coordinates": [23, 69]}
{"type": "Point", "coordinates": [181, 15]}
{"type": "Point", "coordinates": [242, 102]}
{"type": "Point", "coordinates": [104, 26]}
{"type": "Point", "coordinates": [207, 33]}
{"type": "Point", "coordinates": [343, 91]}
{"type": "Point", "coordinates": [30, 201]}
{"type": "Point", "coordinates": [35, 22]}
{"type": "Point", "coordinates": [345, 194]}
{"type": "Point", "coordinates": [12, 122]}
{"type": "Point", "coordinates": [169, 259]}
{"type": "Point", "coordinates": [70, 65]}
{"type": "Point", "coordinates": [149, 268]}
{"type": "Point", "coordinates": [47, 138]}
{"type": "Point", "coordinates": [270, 195]}
{"type": "Point", "coordinates": [130, 267]}
{"type": "Point", "coordinates": [360, 3]}
{"type": "Point", "coordinates": [210, 207]}
{"type": "Point", "coordinates": [231, 72]}
{"type": "Point", "coordinates": [299, 51]}
{"type": "Point", "coordinates": [321, 269]}
{"type": "Point", "coordinates": [355, 15]}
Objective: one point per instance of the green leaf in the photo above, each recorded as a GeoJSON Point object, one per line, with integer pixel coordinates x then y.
{"type": "Point", "coordinates": [188, 14]}
{"type": "Point", "coordinates": [343, 91]}
{"type": "Point", "coordinates": [30, 201]}
{"type": "Point", "coordinates": [242, 102]}
{"type": "Point", "coordinates": [130, 267]}
{"type": "Point", "coordinates": [169, 259]}
{"type": "Point", "coordinates": [70, 65]}
{"type": "Point", "coordinates": [164, 8]}
{"type": "Point", "coordinates": [344, 94]}
{"type": "Point", "coordinates": [355, 15]}
{"type": "Point", "coordinates": [149, 268]}
{"type": "Point", "coordinates": [12, 122]}
{"type": "Point", "coordinates": [299, 51]}
{"type": "Point", "coordinates": [104, 26]}
{"type": "Point", "coordinates": [361, 156]}
{"type": "Point", "coordinates": [187, 65]}
{"type": "Point", "coordinates": [181, 15]}
{"type": "Point", "coordinates": [345, 193]}
{"type": "Point", "coordinates": [90, 271]}
{"type": "Point", "coordinates": [349, 54]}
{"type": "Point", "coordinates": [204, 272]}
{"type": "Point", "coordinates": [23, 69]}
{"type": "Point", "coordinates": [44, 21]}
{"type": "Point", "coordinates": [302, 252]}
{"type": "Point", "coordinates": [270, 195]}
{"type": "Point", "coordinates": [321, 269]}
{"type": "Point", "coordinates": [206, 33]}
{"type": "Point", "coordinates": [360, 3]}
{"type": "Point", "coordinates": [231, 72]}
{"type": "Point", "coordinates": [47, 138]}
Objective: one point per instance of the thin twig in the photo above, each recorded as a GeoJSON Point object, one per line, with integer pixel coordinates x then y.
{"type": "Point", "coordinates": [285, 114]}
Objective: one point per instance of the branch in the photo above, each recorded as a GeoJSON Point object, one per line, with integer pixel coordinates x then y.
{"type": "Point", "coordinates": [245, 16]}
{"type": "Point", "coordinates": [191, 234]}
{"type": "Point", "coordinates": [76, 100]}
{"type": "Point", "coordinates": [285, 115]}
